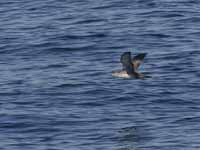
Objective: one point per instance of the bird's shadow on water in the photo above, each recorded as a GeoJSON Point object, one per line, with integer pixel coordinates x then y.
{"type": "Point", "coordinates": [133, 137]}
{"type": "Point", "coordinates": [127, 138]}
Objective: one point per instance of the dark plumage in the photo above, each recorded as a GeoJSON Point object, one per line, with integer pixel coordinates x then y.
{"type": "Point", "coordinates": [137, 60]}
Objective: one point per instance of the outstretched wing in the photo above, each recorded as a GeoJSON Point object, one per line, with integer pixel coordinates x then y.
{"type": "Point", "coordinates": [127, 62]}
{"type": "Point", "coordinates": [137, 60]}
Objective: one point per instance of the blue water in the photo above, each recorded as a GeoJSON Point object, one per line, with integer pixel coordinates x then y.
{"type": "Point", "coordinates": [56, 88]}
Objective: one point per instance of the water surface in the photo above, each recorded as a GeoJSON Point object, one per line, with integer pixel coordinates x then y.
{"type": "Point", "coordinates": [56, 88]}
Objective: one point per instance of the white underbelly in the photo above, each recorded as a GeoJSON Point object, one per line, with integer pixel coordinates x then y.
{"type": "Point", "coordinates": [121, 74]}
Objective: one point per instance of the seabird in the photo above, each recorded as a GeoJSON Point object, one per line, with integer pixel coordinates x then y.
{"type": "Point", "coordinates": [130, 66]}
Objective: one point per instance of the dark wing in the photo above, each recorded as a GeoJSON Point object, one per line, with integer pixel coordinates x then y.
{"type": "Point", "coordinates": [127, 62]}
{"type": "Point", "coordinates": [137, 60]}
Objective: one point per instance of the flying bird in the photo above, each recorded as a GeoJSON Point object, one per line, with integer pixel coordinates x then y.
{"type": "Point", "coordinates": [130, 66]}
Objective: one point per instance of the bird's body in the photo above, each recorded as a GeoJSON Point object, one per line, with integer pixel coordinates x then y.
{"type": "Point", "coordinates": [130, 66]}
{"type": "Point", "coordinates": [120, 73]}
{"type": "Point", "coordinates": [124, 74]}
